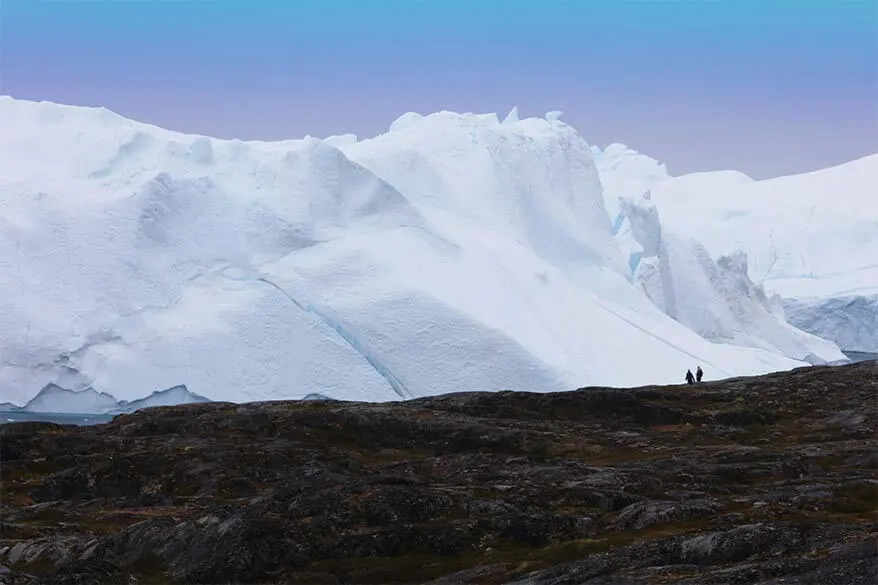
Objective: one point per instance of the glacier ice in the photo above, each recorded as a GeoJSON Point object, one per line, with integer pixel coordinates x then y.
{"type": "Point", "coordinates": [850, 321]}
{"type": "Point", "coordinates": [716, 299]}
{"type": "Point", "coordinates": [403, 122]}
{"type": "Point", "coordinates": [512, 116]}
{"type": "Point", "coordinates": [55, 399]}
{"type": "Point", "coordinates": [811, 238]}
{"type": "Point", "coordinates": [168, 397]}
{"type": "Point", "coordinates": [453, 253]}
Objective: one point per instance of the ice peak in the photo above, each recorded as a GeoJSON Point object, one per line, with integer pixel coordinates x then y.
{"type": "Point", "coordinates": [405, 121]}
{"type": "Point", "coordinates": [511, 117]}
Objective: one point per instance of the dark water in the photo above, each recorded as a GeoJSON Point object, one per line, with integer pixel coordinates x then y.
{"type": "Point", "coordinates": [55, 417]}
{"type": "Point", "coordinates": [858, 356]}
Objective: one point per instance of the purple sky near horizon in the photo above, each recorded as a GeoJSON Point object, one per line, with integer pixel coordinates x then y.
{"type": "Point", "coordinates": [766, 87]}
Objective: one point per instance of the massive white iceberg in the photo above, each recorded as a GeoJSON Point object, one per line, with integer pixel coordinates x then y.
{"type": "Point", "coordinates": [811, 238]}
{"type": "Point", "coordinates": [454, 253]}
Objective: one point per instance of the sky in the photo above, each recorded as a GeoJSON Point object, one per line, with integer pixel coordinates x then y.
{"type": "Point", "coordinates": [766, 87]}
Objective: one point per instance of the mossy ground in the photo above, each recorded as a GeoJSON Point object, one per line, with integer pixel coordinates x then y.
{"type": "Point", "coordinates": [489, 487]}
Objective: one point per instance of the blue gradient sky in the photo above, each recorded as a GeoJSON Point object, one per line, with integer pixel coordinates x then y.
{"type": "Point", "coordinates": [768, 87]}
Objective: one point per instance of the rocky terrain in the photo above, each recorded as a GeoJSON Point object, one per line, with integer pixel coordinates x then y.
{"type": "Point", "coordinates": [753, 480]}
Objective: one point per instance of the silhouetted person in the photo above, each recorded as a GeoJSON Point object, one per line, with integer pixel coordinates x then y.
{"type": "Point", "coordinates": [698, 374]}
{"type": "Point", "coordinates": [690, 379]}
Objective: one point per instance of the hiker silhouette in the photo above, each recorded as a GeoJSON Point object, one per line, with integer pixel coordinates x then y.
{"type": "Point", "coordinates": [690, 379]}
{"type": "Point", "coordinates": [698, 374]}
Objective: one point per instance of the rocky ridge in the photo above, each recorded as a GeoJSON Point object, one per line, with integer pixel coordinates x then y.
{"type": "Point", "coordinates": [766, 480]}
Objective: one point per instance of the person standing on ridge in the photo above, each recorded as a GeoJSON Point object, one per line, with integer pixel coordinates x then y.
{"type": "Point", "coordinates": [690, 379]}
{"type": "Point", "coordinates": [698, 374]}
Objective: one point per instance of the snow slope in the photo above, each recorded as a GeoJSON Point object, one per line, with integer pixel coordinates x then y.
{"type": "Point", "coordinates": [454, 253]}
{"type": "Point", "coordinates": [810, 237]}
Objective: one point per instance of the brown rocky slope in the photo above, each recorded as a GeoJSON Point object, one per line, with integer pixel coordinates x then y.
{"type": "Point", "coordinates": [769, 479]}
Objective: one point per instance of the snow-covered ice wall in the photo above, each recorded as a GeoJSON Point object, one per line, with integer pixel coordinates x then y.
{"type": "Point", "coordinates": [810, 238]}
{"type": "Point", "coordinates": [850, 321]}
{"type": "Point", "coordinates": [716, 299]}
{"type": "Point", "coordinates": [454, 253]}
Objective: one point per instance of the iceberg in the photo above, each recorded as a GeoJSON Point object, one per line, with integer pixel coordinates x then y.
{"type": "Point", "coordinates": [169, 397]}
{"type": "Point", "coordinates": [811, 239]}
{"type": "Point", "coordinates": [714, 298]}
{"type": "Point", "coordinates": [453, 253]}
{"type": "Point", "coordinates": [850, 321]}
{"type": "Point", "coordinates": [55, 399]}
